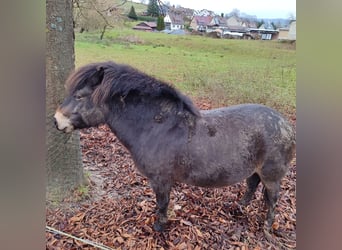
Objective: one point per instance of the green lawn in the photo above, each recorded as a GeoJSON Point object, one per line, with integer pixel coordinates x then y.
{"type": "Point", "coordinates": [224, 71]}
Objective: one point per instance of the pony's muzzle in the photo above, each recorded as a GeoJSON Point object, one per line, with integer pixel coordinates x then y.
{"type": "Point", "coordinates": [62, 122]}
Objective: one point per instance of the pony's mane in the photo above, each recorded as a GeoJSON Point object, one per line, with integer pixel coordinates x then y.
{"type": "Point", "coordinates": [122, 80]}
{"type": "Point", "coordinates": [78, 78]}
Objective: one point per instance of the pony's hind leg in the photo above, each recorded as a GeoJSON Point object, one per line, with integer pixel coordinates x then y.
{"type": "Point", "coordinates": [252, 184]}
{"type": "Point", "coordinates": [271, 174]}
{"type": "Point", "coordinates": [271, 195]}
{"type": "Point", "coordinates": [162, 192]}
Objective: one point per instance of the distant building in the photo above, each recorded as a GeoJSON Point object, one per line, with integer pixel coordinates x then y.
{"type": "Point", "coordinates": [292, 30]}
{"type": "Point", "coordinates": [283, 33]}
{"type": "Point", "coordinates": [288, 33]}
{"type": "Point", "coordinates": [174, 21]}
{"type": "Point", "coordinates": [237, 24]}
{"type": "Point", "coordinates": [200, 23]}
{"type": "Point", "coordinates": [218, 22]}
{"type": "Point", "coordinates": [146, 26]}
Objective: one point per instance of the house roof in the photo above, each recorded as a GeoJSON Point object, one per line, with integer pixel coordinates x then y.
{"type": "Point", "coordinates": [203, 20]}
{"type": "Point", "coordinates": [218, 21]}
{"type": "Point", "coordinates": [147, 24]}
{"type": "Point", "coordinates": [142, 28]}
{"type": "Point", "coordinates": [176, 18]}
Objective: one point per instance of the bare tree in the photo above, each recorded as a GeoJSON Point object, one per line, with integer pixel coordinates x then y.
{"type": "Point", "coordinates": [235, 12]}
{"type": "Point", "coordinates": [97, 15]}
{"type": "Point", "coordinates": [63, 160]}
{"type": "Point", "coordinates": [291, 16]}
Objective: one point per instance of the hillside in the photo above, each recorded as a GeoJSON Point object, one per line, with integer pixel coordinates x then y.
{"type": "Point", "coordinates": [125, 8]}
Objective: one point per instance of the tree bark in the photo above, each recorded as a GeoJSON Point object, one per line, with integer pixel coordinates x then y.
{"type": "Point", "coordinates": [63, 161]}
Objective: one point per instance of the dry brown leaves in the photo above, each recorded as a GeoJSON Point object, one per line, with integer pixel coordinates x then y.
{"type": "Point", "coordinates": [120, 210]}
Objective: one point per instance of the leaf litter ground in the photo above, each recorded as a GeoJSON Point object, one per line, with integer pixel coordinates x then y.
{"type": "Point", "coordinates": [118, 208]}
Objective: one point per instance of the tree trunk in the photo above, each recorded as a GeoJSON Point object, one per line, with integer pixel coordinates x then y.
{"type": "Point", "coordinates": [103, 31]}
{"type": "Point", "coordinates": [64, 164]}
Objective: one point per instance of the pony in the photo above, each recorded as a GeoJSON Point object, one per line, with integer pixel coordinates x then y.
{"type": "Point", "coordinates": [172, 141]}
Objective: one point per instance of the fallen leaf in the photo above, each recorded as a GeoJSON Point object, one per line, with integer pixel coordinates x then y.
{"type": "Point", "coordinates": [77, 218]}
{"type": "Point", "coordinates": [185, 222]}
{"type": "Point", "coordinates": [275, 225]}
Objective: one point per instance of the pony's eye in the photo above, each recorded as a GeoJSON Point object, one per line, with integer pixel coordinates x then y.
{"type": "Point", "coordinates": [78, 97]}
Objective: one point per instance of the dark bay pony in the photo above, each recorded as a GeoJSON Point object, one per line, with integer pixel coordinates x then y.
{"type": "Point", "coordinates": [172, 141]}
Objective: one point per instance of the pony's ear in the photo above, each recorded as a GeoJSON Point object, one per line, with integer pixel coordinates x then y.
{"type": "Point", "coordinates": [97, 77]}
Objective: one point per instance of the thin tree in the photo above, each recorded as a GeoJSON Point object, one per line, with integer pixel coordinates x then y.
{"type": "Point", "coordinates": [235, 12]}
{"type": "Point", "coordinates": [153, 8]}
{"type": "Point", "coordinates": [97, 14]}
{"type": "Point", "coordinates": [63, 161]}
{"type": "Point", "coordinates": [160, 23]}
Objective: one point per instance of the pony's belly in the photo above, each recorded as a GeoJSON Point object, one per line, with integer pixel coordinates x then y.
{"type": "Point", "coordinates": [218, 179]}
{"type": "Point", "coordinates": [209, 183]}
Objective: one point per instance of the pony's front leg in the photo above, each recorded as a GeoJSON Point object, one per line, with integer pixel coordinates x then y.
{"type": "Point", "coordinates": [162, 191]}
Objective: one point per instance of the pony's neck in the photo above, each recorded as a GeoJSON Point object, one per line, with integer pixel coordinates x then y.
{"type": "Point", "coordinates": [148, 119]}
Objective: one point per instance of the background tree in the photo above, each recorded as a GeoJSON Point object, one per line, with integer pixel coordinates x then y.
{"type": "Point", "coordinates": [63, 161]}
{"type": "Point", "coordinates": [291, 16]}
{"type": "Point", "coordinates": [132, 14]}
{"type": "Point", "coordinates": [160, 23]}
{"type": "Point", "coordinates": [97, 15]}
{"type": "Point", "coordinates": [235, 12]}
{"type": "Point", "coordinates": [153, 8]}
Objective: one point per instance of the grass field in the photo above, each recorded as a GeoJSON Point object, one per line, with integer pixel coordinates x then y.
{"type": "Point", "coordinates": [224, 71]}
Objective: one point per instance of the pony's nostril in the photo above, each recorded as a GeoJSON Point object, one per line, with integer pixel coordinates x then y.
{"type": "Point", "coordinates": [55, 122]}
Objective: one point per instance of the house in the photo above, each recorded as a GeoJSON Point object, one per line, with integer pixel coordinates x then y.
{"type": "Point", "coordinates": [283, 33]}
{"type": "Point", "coordinates": [200, 23]}
{"type": "Point", "coordinates": [234, 21]}
{"type": "Point", "coordinates": [236, 24]}
{"type": "Point", "coordinates": [146, 26]}
{"type": "Point", "coordinates": [174, 21]}
{"type": "Point", "coordinates": [217, 25]}
{"type": "Point", "coordinates": [292, 31]}
{"type": "Point", "coordinates": [288, 33]}
{"type": "Point", "coordinates": [263, 34]}
{"type": "Point", "coordinates": [218, 22]}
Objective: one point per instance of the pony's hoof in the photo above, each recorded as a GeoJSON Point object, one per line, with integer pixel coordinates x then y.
{"type": "Point", "coordinates": [236, 209]}
{"type": "Point", "coordinates": [268, 232]}
{"type": "Point", "coordinates": [158, 227]}
{"type": "Point", "coordinates": [268, 226]}
{"type": "Point", "coordinates": [243, 202]}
